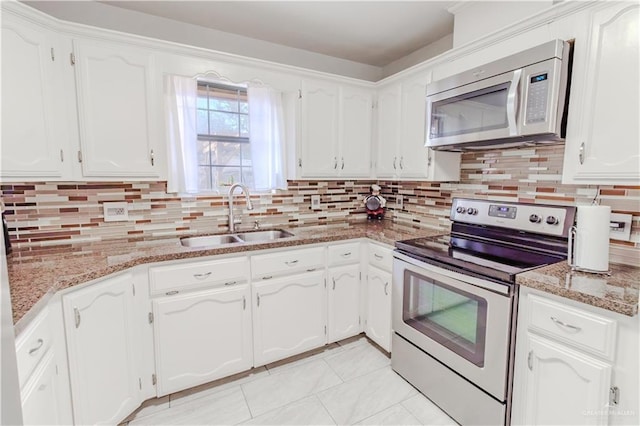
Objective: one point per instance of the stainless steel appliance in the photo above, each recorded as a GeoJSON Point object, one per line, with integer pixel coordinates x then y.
{"type": "Point", "coordinates": [454, 302]}
{"type": "Point", "coordinates": [513, 101]}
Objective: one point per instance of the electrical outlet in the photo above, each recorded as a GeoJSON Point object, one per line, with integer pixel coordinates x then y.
{"type": "Point", "coordinates": [400, 202]}
{"type": "Point", "coordinates": [116, 212]}
{"type": "Point", "coordinates": [315, 202]}
{"type": "Point", "coordinates": [620, 226]}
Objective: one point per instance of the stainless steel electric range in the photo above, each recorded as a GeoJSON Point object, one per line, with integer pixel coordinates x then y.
{"type": "Point", "coordinates": [455, 301]}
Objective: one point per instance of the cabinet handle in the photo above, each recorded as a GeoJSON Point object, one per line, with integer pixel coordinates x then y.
{"type": "Point", "coordinates": [429, 160]}
{"type": "Point", "coordinates": [394, 163]}
{"type": "Point", "coordinates": [291, 262]}
{"type": "Point", "coordinates": [244, 303]}
{"type": "Point", "coordinates": [401, 162]}
{"type": "Point", "coordinates": [37, 348]}
{"type": "Point", "coordinates": [385, 288]}
{"type": "Point", "coordinates": [153, 159]}
{"type": "Point", "coordinates": [335, 162]}
{"type": "Point", "coordinates": [563, 324]}
{"type": "Point", "coordinates": [377, 256]}
{"type": "Point", "coordinates": [530, 361]}
{"type": "Point", "coordinates": [342, 167]}
{"type": "Point", "coordinates": [614, 395]}
{"type": "Point", "coordinates": [299, 162]}
{"type": "Point", "coordinates": [231, 283]}
{"type": "Point", "coordinates": [311, 269]}
{"type": "Point", "coordinates": [61, 156]}
{"type": "Point", "coordinates": [267, 277]}
{"type": "Point", "coordinates": [201, 276]}
{"type": "Point", "coordinates": [347, 254]}
{"type": "Point", "coordinates": [76, 314]}
{"type": "Point", "coordinates": [258, 297]}
{"type": "Point", "coordinates": [171, 293]}
{"type": "Point", "coordinates": [334, 283]}
{"type": "Point", "coordinates": [581, 154]}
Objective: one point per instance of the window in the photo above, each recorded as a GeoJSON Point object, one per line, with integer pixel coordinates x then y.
{"type": "Point", "coordinates": [224, 154]}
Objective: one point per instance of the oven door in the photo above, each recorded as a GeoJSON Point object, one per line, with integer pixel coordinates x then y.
{"type": "Point", "coordinates": [462, 321]}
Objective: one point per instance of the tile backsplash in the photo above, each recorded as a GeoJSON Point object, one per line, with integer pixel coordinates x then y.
{"type": "Point", "coordinates": [49, 214]}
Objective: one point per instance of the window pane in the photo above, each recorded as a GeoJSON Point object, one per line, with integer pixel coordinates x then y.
{"type": "Point", "coordinates": [203, 152]}
{"type": "Point", "coordinates": [247, 177]}
{"type": "Point", "coordinates": [244, 125]}
{"type": "Point", "coordinates": [245, 149]}
{"type": "Point", "coordinates": [226, 154]}
{"type": "Point", "coordinates": [223, 104]}
{"type": "Point", "coordinates": [201, 102]}
{"type": "Point", "coordinates": [225, 176]}
{"type": "Point", "coordinates": [203, 128]}
{"type": "Point", "coordinates": [204, 178]}
{"type": "Point", "coordinates": [244, 107]}
{"type": "Point", "coordinates": [223, 123]}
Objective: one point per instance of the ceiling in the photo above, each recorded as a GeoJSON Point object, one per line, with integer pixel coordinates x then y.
{"type": "Point", "coordinates": [369, 32]}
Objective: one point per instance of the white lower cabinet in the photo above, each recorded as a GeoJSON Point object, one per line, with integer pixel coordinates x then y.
{"type": "Point", "coordinates": [378, 323]}
{"type": "Point", "coordinates": [99, 323]}
{"type": "Point", "coordinates": [562, 386]}
{"type": "Point", "coordinates": [40, 399]}
{"type": "Point", "coordinates": [289, 316]}
{"type": "Point", "coordinates": [201, 336]}
{"type": "Point", "coordinates": [343, 302]}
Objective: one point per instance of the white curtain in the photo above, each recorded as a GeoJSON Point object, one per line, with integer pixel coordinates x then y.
{"type": "Point", "coordinates": [266, 126]}
{"type": "Point", "coordinates": [180, 104]}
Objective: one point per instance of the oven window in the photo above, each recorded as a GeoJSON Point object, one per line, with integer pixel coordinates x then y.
{"type": "Point", "coordinates": [452, 317]}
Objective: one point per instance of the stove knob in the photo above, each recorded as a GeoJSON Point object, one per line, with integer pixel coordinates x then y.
{"type": "Point", "coordinates": [551, 220]}
{"type": "Point", "coordinates": [534, 218]}
{"type": "Point", "coordinates": [461, 209]}
{"type": "Point", "coordinates": [472, 211]}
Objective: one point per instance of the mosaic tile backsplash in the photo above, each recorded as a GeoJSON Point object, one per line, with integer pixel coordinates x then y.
{"type": "Point", "coordinates": [46, 215]}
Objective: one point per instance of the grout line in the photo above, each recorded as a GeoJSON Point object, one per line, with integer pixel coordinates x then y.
{"type": "Point", "coordinates": [246, 401]}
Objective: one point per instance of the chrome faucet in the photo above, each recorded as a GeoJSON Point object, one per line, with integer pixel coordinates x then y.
{"type": "Point", "coordinates": [232, 222]}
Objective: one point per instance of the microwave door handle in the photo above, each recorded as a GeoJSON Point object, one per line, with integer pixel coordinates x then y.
{"type": "Point", "coordinates": [512, 103]}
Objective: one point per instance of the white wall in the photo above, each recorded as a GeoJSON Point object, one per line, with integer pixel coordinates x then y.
{"type": "Point", "coordinates": [427, 52]}
{"type": "Point", "coordinates": [475, 19]}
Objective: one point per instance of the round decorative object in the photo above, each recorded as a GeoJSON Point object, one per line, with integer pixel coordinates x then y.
{"type": "Point", "coordinates": [373, 203]}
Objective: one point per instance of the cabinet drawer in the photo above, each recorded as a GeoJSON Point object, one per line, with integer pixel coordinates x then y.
{"type": "Point", "coordinates": [287, 262]}
{"type": "Point", "coordinates": [163, 279]}
{"type": "Point", "coordinates": [32, 344]}
{"type": "Point", "coordinates": [380, 257]}
{"type": "Point", "coordinates": [576, 327]}
{"type": "Point", "coordinates": [344, 254]}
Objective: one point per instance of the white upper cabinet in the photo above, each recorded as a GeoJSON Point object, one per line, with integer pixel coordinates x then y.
{"type": "Point", "coordinates": [117, 95]}
{"type": "Point", "coordinates": [33, 136]}
{"type": "Point", "coordinates": [603, 135]}
{"type": "Point", "coordinates": [401, 127]}
{"type": "Point", "coordinates": [335, 128]}
{"type": "Point", "coordinates": [355, 131]}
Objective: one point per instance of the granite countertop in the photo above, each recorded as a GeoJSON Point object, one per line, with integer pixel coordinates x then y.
{"type": "Point", "coordinates": [35, 275]}
{"type": "Point", "coordinates": [617, 292]}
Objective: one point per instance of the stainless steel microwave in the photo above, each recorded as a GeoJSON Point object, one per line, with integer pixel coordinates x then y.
{"type": "Point", "coordinates": [513, 101]}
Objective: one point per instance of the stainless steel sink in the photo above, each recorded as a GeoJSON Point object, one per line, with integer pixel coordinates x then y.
{"type": "Point", "coordinates": [210, 240]}
{"type": "Point", "coordinates": [257, 236]}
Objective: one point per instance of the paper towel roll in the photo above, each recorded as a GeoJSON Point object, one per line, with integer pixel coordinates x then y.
{"type": "Point", "coordinates": [592, 238]}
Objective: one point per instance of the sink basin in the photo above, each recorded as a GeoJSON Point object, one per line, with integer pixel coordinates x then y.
{"type": "Point", "coordinates": [210, 240]}
{"type": "Point", "coordinates": [256, 236]}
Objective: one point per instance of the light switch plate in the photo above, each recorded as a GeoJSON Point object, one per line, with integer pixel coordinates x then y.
{"type": "Point", "coordinates": [624, 232]}
{"type": "Point", "coordinates": [315, 202]}
{"type": "Point", "coordinates": [116, 211]}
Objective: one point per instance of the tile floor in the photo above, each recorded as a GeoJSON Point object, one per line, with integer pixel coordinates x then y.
{"type": "Point", "coordinates": [350, 382]}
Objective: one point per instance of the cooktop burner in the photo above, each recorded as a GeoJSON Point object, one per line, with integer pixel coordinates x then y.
{"type": "Point", "coordinates": [497, 240]}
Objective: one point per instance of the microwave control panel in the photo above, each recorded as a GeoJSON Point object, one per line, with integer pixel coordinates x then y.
{"type": "Point", "coordinates": [537, 95]}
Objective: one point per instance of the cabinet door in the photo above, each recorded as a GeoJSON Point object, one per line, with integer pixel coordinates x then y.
{"type": "Point", "coordinates": [319, 125]}
{"type": "Point", "coordinates": [344, 302]}
{"type": "Point", "coordinates": [355, 132]}
{"type": "Point", "coordinates": [40, 402]}
{"type": "Point", "coordinates": [32, 143]}
{"type": "Point", "coordinates": [388, 134]}
{"type": "Point", "coordinates": [603, 130]}
{"type": "Point", "coordinates": [378, 325]}
{"type": "Point", "coordinates": [201, 337]}
{"type": "Point", "coordinates": [289, 316]}
{"type": "Point", "coordinates": [116, 92]}
{"type": "Point", "coordinates": [562, 386]}
{"type": "Point", "coordinates": [416, 160]}
{"type": "Point", "coordinates": [99, 322]}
